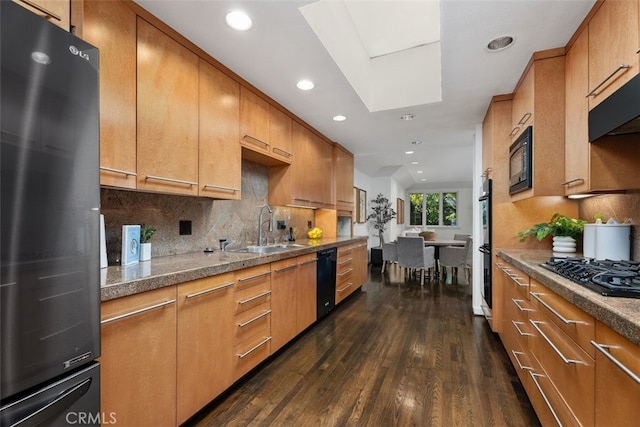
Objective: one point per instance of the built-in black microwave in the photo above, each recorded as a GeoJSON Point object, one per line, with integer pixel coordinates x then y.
{"type": "Point", "coordinates": [520, 164]}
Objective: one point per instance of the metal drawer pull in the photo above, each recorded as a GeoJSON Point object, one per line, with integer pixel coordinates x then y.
{"type": "Point", "coordinates": [602, 348]}
{"type": "Point", "coordinates": [515, 355]}
{"type": "Point", "coordinates": [517, 303]}
{"type": "Point", "coordinates": [346, 261]}
{"type": "Point", "coordinates": [126, 173]}
{"type": "Point", "coordinates": [256, 140]}
{"type": "Point", "coordinates": [206, 291]}
{"type": "Point", "coordinates": [285, 152]}
{"type": "Point", "coordinates": [514, 132]}
{"type": "Point", "coordinates": [524, 334]}
{"type": "Point", "coordinates": [308, 262]}
{"type": "Point", "coordinates": [572, 181]}
{"type": "Point", "coordinates": [524, 118]}
{"type": "Point", "coordinates": [47, 14]}
{"type": "Point", "coordinates": [219, 187]}
{"type": "Point", "coordinates": [264, 294]}
{"type": "Point", "coordinates": [244, 279]}
{"type": "Point", "coordinates": [544, 396]}
{"type": "Point", "coordinates": [536, 295]}
{"type": "Point", "coordinates": [620, 67]}
{"type": "Point", "coordinates": [278, 270]}
{"type": "Point", "coordinates": [349, 284]}
{"type": "Point", "coordinates": [345, 201]}
{"type": "Point", "coordinates": [251, 350]}
{"type": "Point", "coordinates": [515, 278]}
{"type": "Point", "coordinates": [133, 313]}
{"type": "Point", "coordinates": [258, 317]}
{"type": "Point", "coordinates": [176, 181]}
{"type": "Point", "coordinates": [553, 346]}
{"type": "Point", "coordinates": [346, 272]}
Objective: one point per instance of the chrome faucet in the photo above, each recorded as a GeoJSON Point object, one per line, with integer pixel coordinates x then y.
{"type": "Point", "coordinates": [260, 222]}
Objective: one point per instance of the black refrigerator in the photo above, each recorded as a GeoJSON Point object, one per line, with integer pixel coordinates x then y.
{"type": "Point", "coordinates": [50, 213]}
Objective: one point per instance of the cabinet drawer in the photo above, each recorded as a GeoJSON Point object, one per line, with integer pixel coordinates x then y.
{"type": "Point", "coordinates": [547, 402]}
{"type": "Point", "coordinates": [344, 289]}
{"type": "Point", "coordinates": [250, 323]}
{"type": "Point", "coordinates": [515, 277]}
{"type": "Point", "coordinates": [574, 322]}
{"type": "Point", "coordinates": [249, 354]}
{"type": "Point", "coordinates": [253, 288]}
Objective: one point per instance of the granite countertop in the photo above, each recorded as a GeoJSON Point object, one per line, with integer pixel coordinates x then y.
{"type": "Point", "coordinates": [121, 281]}
{"type": "Point", "coordinates": [620, 314]}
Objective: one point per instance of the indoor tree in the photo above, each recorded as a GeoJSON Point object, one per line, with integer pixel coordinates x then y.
{"type": "Point", "coordinates": [381, 214]}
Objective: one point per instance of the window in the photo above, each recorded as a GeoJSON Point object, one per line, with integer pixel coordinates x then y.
{"type": "Point", "coordinates": [433, 209]}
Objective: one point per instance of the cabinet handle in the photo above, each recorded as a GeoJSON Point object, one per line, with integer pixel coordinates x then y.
{"type": "Point", "coordinates": [177, 181]}
{"type": "Point", "coordinates": [219, 187]}
{"type": "Point", "coordinates": [514, 132]}
{"type": "Point", "coordinates": [620, 67]}
{"type": "Point", "coordinates": [517, 303]}
{"type": "Point", "coordinates": [286, 153]}
{"type": "Point", "coordinates": [346, 201]}
{"type": "Point", "coordinates": [197, 294]}
{"type": "Point", "coordinates": [602, 348]}
{"type": "Point", "coordinates": [524, 119]}
{"type": "Point", "coordinates": [345, 273]}
{"type": "Point", "coordinates": [572, 181]}
{"type": "Point", "coordinates": [133, 313]}
{"type": "Point", "coordinates": [278, 270]}
{"type": "Point", "coordinates": [126, 173]}
{"type": "Point", "coordinates": [524, 334]}
{"type": "Point", "coordinates": [346, 261]}
{"type": "Point", "coordinates": [264, 294]}
{"type": "Point", "coordinates": [553, 346]}
{"type": "Point", "coordinates": [349, 284]}
{"type": "Point", "coordinates": [308, 262]}
{"type": "Point", "coordinates": [346, 251]}
{"type": "Point", "coordinates": [515, 355]}
{"type": "Point", "coordinates": [244, 279]}
{"type": "Point", "coordinates": [256, 140]}
{"type": "Point", "coordinates": [258, 317]}
{"type": "Point", "coordinates": [544, 396]}
{"type": "Point", "coordinates": [47, 14]}
{"type": "Point", "coordinates": [251, 350]}
{"type": "Point", "coordinates": [566, 321]}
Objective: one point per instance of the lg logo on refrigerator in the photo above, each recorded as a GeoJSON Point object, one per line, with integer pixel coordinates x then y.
{"type": "Point", "coordinates": [75, 51]}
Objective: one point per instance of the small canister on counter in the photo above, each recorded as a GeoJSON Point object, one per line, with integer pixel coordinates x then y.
{"type": "Point", "coordinates": [607, 241]}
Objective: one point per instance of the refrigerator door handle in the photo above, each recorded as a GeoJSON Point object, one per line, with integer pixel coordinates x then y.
{"type": "Point", "coordinates": [47, 407]}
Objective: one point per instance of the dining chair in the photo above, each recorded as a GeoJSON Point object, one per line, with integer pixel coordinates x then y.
{"type": "Point", "coordinates": [460, 236]}
{"type": "Point", "coordinates": [457, 256]}
{"type": "Point", "coordinates": [413, 255]}
{"type": "Point", "coordinates": [389, 254]}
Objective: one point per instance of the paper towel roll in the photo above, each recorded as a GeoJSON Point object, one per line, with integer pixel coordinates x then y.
{"type": "Point", "coordinates": [103, 244]}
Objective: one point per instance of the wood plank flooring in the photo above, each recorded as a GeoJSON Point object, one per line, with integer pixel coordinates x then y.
{"type": "Point", "coordinates": [394, 354]}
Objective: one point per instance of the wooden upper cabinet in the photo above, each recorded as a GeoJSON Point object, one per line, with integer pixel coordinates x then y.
{"type": "Point", "coordinates": [117, 88]}
{"type": "Point", "coordinates": [327, 175]}
{"type": "Point", "coordinates": [167, 113]}
{"type": "Point", "coordinates": [343, 182]}
{"type": "Point", "coordinates": [220, 160]}
{"type": "Point", "coordinates": [543, 88]}
{"type": "Point", "coordinates": [265, 131]}
{"type": "Point", "coordinates": [613, 42]}
{"type": "Point", "coordinates": [56, 11]}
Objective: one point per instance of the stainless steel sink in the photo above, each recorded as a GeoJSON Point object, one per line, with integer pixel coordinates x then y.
{"type": "Point", "coordinates": [268, 249]}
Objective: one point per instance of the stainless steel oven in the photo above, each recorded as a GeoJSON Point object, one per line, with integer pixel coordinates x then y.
{"type": "Point", "coordinates": [485, 248]}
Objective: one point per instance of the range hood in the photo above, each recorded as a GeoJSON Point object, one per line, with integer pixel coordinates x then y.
{"type": "Point", "coordinates": [618, 114]}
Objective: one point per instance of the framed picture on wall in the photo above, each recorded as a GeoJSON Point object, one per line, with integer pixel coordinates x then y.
{"type": "Point", "coordinates": [362, 205]}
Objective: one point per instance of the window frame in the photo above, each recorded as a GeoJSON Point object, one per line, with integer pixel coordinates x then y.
{"type": "Point", "coordinates": [441, 206]}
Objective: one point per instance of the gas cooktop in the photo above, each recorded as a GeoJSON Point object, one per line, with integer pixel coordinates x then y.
{"type": "Point", "coordinates": [607, 277]}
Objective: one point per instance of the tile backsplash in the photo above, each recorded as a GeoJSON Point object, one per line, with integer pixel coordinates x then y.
{"type": "Point", "coordinates": [623, 207]}
{"type": "Point", "coordinates": [211, 220]}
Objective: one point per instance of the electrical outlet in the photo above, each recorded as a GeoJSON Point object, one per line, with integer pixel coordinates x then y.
{"type": "Point", "coordinates": [309, 225]}
{"type": "Point", "coordinates": [281, 225]}
{"type": "Point", "coordinates": [185, 228]}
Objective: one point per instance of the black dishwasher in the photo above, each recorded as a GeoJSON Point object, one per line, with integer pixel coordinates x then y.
{"type": "Point", "coordinates": [326, 281]}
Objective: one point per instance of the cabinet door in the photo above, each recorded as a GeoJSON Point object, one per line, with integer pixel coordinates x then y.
{"type": "Point", "coordinates": [613, 41]}
{"type": "Point", "coordinates": [220, 159]}
{"type": "Point", "coordinates": [283, 302]}
{"type": "Point", "coordinates": [303, 173]}
{"type": "Point", "coordinates": [343, 172]}
{"type": "Point", "coordinates": [205, 340]}
{"type": "Point", "coordinates": [306, 295]}
{"type": "Point", "coordinates": [327, 175]}
{"type": "Point", "coordinates": [56, 11]}
{"type": "Point", "coordinates": [254, 121]}
{"type": "Point", "coordinates": [523, 104]}
{"type": "Point", "coordinates": [167, 113]}
{"type": "Point", "coordinates": [117, 88]}
{"type": "Point", "coordinates": [280, 135]}
{"type": "Point", "coordinates": [577, 146]}
{"type": "Point", "coordinates": [138, 362]}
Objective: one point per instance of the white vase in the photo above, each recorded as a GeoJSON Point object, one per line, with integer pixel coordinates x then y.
{"type": "Point", "coordinates": [145, 251]}
{"type": "Point", "coordinates": [564, 246]}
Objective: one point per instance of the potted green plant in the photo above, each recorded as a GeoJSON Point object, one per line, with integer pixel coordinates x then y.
{"type": "Point", "coordinates": [565, 231]}
{"type": "Point", "coordinates": [381, 214]}
{"type": "Point", "coordinates": [146, 232]}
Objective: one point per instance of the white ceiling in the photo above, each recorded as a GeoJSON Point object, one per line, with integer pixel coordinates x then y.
{"type": "Point", "coordinates": [282, 48]}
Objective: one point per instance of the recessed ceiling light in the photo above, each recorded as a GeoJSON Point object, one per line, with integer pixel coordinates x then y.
{"type": "Point", "coordinates": [414, 163]}
{"type": "Point", "coordinates": [408, 152]}
{"type": "Point", "coordinates": [418, 142]}
{"type": "Point", "coordinates": [423, 179]}
{"type": "Point", "coordinates": [407, 117]}
{"type": "Point", "coordinates": [305, 85]}
{"type": "Point", "coordinates": [339, 118]}
{"type": "Point", "coordinates": [238, 20]}
{"type": "Point", "coordinates": [419, 172]}
{"type": "Point", "coordinates": [500, 43]}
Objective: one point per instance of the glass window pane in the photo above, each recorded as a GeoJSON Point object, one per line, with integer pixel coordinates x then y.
{"type": "Point", "coordinates": [415, 209]}
{"type": "Point", "coordinates": [432, 208]}
{"type": "Point", "coordinates": [449, 208]}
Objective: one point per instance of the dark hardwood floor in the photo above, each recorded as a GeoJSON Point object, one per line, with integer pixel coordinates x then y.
{"type": "Point", "coordinates": [394, 354]}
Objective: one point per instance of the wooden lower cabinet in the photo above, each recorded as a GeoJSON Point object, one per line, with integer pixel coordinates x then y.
{"type": "Point", "coordinates": [283, 302]}
{"type": "Point", "coordinates": [138, 362]}
{"type": "Point", "coordinates": [345, 284]}
{"type": "Point", "coordinates": [306, 291]}
{"type": "Point", "coordinates": [205, 327]}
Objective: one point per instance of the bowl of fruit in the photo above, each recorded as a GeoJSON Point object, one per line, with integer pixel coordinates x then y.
{"type": "Point", "coordinates": [314, 233]}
